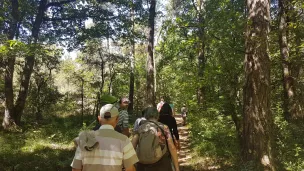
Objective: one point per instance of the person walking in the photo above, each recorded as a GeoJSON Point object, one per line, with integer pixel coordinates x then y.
{"type": "Point", "coordinates": [104, 149]}
{"type": "Point", "coordinates": [154, 146]}
{"type": "Point", "coordinates": [184, 112]}
{"type": "Point", "coordinates": [165, 117]}
{"type": "Point", "coordinates": [123, 122]}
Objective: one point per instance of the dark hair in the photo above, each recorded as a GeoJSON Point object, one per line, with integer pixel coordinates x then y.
{"type": "Point", "coordinates": [166, 109]}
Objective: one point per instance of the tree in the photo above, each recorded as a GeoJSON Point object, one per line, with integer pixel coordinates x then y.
{"type": "Point", "coordinates": [290, 63]}
{"type": "Point", "coordinates": [9, 68]}
{"type": "Point", "coordinates": [14, 111]}
{"type": "Point", "coordinates": [257, 118]}
{"type": "Point", "coordinates": [132, 62]}
{"type": "Point", "coordinates": [150, 60]}
{"type": "Point", "coordinates": [200, 7]}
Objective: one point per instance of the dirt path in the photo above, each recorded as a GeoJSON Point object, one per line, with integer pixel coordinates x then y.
{"type": "Point", "coordinates": [184, 153]}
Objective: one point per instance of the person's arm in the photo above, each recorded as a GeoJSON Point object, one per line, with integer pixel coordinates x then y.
{"type": "Point", "coordinates": [135, 140]}
{"type": "Point", "coordinates": [126, 131]}
{"type": "Point", "coordinates": [131, 168]}
{"type": "Point", "coordinates": [77, 161]}
{"type": "Point", "coordinates": [173, 153]}
{"type": "Point", "coordinates": [129, 156]}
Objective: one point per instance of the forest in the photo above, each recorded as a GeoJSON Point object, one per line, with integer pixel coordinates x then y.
{"type": "Point", "coordinates": [238, 66]}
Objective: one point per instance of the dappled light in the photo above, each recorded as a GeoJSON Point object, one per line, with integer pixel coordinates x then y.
{"type": "Point", "coordinates": [230, 72]}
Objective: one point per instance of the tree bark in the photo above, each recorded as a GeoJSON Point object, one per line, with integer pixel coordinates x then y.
{"type": "Point", "coordinates": [288, 82]}
{"type": "Point", "coordinates": [82, 99]}
{"type": "Point", "coordinates": [257, 140]}
{"type": "Point", "coordinates": [132, 62]}
{"type": "Point", "coordinates": [131, 90]}
{"type": "Point", "coordinates": [9, 114]}
{"type": "Point", "coordinates": [102, 68]}
{"type": "Point", "coordinates": [199, 7]}
{"type": "Point", "coordinates": [40, 82]}
{"type": "Point", "coordinates": [201, 68]}
{"type": "Point", "coordinates": [150, 62]}
{"type": "Point", "coordinates": [29, 64]}
{"type": "Point", "coordinates": [112, 76]}
{"type": "Point", "coordinates": [297, 69]}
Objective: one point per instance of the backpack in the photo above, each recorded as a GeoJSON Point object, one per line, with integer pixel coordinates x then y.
{"type": "Point", "coordinates": [150, 149]}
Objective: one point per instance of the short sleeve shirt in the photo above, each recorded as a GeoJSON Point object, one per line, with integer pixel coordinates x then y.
{"type": "Point", "coordinates": [114, 151]}
{"type": "Point", "coordinates": [123, 120]}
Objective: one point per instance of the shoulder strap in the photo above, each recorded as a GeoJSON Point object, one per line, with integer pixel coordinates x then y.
{"type": "Point", "coordinates": [163, 132]}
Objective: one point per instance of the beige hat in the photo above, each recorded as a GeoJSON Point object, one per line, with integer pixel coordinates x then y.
{"type": "Point", "coordinates": [108, 111]}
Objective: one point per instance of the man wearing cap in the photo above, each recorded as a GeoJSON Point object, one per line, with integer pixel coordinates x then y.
{"type": "Point", "coordinates": [104, 149]}
{"type": "Point", "coordinates": [123, 122]}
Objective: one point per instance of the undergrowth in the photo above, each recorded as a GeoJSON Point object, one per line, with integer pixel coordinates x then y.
{"type": "Point", "coordinates": [45, 145]}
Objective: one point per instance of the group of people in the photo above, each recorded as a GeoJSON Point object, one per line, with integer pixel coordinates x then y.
{"type": "Point", "coordinates": [153, 146]}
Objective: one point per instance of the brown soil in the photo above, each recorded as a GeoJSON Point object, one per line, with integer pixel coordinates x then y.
{"type": "Point", "coordinates": [184, 153]}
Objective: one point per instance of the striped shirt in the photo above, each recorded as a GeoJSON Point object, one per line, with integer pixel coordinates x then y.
{"type": "Point", "coordinates": [113, 152]}
{"type": "Point", "coordinates": [123, 120]}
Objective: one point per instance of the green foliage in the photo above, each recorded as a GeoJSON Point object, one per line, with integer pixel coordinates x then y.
{"type": "Point", "coordinates": [213, 137]}
{"type": "Point", "coordinates": [103, 67]}
{"type": "Point", "coordinates": [41, 101]}
{"type": "Point", "coordinates": [290, 144]}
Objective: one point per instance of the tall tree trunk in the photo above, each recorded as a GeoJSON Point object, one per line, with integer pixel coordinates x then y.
{"type": "Point", "coordinates": [297, 70]}
{"type": "Point", "coordinates": [9, 93]}
{"type": "Point", "coordinates": [288, 82]}
{"type": "Point", "coordinates": [131, 90]}
{"type": "Point", "coordinates": [199, 7]}
{"type": "Point", "coordinates": [29, 64]}
{"type": "Point", "coordinates": [112, 76]}
{"type": "Point", "coordinates": [82, 99]}
{"type": "Point", "coordinates": [132, 61]}
{"type": "Point", "coordinates": [39, 83]}
{"type": "Point", "coordinates": [102, 68]}
{"type": "Point", "coordinates": [9, 114]}
{"type": "Point", "coordinates": [150, 62]}
{"type": "Point", "coordinates": [201, 68]}
{"type": "Point", "coordinates": [257, 125]}
{"type": "Point", "coordinates": [98, 104]}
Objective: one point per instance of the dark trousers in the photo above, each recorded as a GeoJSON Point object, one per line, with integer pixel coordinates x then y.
{"type": "Point", "coordinates": [164, 164]}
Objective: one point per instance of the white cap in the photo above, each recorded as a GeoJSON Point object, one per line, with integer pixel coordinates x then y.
{"type": "Point", "coordinates": [108, 111]}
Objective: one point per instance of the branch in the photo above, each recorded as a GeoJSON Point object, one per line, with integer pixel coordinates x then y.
{"type": "Point", "coordinates": [58, 4]}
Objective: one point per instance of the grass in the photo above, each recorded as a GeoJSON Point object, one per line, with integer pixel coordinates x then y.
{"type": "Point", "coordinates": [42, 146]}
{"type": "Point", "coordinates": [46, 145]}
